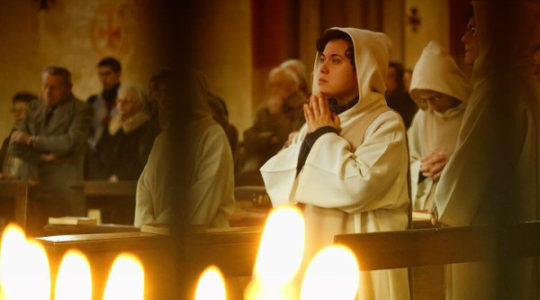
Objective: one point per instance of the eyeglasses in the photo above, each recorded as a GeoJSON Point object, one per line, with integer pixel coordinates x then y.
{"type": "Point", "coordinates": [471, 29]}
{"type": "Point", "coordinates": [432, 99]}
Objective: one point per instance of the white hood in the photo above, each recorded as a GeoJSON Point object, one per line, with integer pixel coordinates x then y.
{"type": "Point", "coordinates": [369, 47]}
{"type": "Point", "coordinates": [436, 70]}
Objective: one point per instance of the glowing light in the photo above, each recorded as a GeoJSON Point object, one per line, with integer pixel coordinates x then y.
{"type": "Point", "coordinates": [282, 246]}
{"type": "Point", "coordinates": [332, 274]}
{"type": "Point", "coordinates": [211, 285]}
{"type": "Point", "coordinates": [23, 262]}
{"type": "Point", "coordinates": [11, 258]}
{"type": "Point", "coordinates": [74, 280]}
{"type": "Point", "coordinates": [126, 279]}
{"type": "Point", "coordinates": [37, 266]}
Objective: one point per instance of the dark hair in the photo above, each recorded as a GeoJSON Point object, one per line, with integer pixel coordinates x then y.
{"type": "Point", "coordinates": [165, 77]}
{"type": "Point", "coordinates": [23, 97]}
{"type": "Point", "coordinates": [112, 63]}
{"type": "Point", "coordinates": [58, 71]}
{"type": "Point", "coordinates": [399, 72]}
{"type": "Point", "coordinates": [468, 13]}
{"type": "Point", "coordinates": [334, 34]}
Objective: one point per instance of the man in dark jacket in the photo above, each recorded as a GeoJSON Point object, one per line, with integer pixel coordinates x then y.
{"type": "Point", "coordinates": [104, 103]}
{"type": "Point", "coordinates": [52, 143]}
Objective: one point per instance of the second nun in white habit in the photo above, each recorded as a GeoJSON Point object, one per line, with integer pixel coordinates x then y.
{"type": "Point", "coordinates": [347, 166]}
{"type": "Point", "coordinates": [440, 89]}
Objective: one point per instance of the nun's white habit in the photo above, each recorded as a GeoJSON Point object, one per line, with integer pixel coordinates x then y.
{"type": "Point", "coordinates": [354, 181]}
{"type": "Point", "coordinates": [433, 131]}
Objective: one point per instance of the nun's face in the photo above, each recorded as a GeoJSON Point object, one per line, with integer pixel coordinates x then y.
{"type": "Point", "coordinates": [436, 101]}
{"type": "Point", "coordinates": [470, 40]}
{"type": "Point", "coordinates": [337, 77]}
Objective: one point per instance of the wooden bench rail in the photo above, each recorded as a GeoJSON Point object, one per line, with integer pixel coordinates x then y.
{"type": "Point", "coordinates": [234, 250]}
{"type": "Point", "coordinates": [424, 247]}
{"type": "Point", "coordinates": [105, 188]}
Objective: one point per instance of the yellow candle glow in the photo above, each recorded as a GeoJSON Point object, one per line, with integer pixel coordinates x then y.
{"type": "Point", "coordinates": [332, 274]}
{"type": "Point", "coordinates": [279, 257]}
{"type": "Point", "coordinates": [211, 285]}
{"type": "Point", "coordinates": [37, 264]}
{"type": "Point", "coordinates": [126, 279]}
{"type": "Point", "coordinates": [11, 256]}
{"type": "Point", "coordinates": [23, 262]}
{"type": "Point", "coordinates": [282, 246]}
{"type": "Point", "coordinates": [74, 280]}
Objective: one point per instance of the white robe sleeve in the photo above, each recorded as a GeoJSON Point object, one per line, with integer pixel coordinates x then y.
{"type": "Point", "coordinates": [337, 176]}
{"type": "Point", "coordinates": [485, 168]}
{"type": "Point", "coordinates": [211, 193]}
{"type": "Point", "coordinates": [414, 139]}
{"type": "Point", "coordinates": [144, 205]}
{"type": "Point", "coordinates": [279, 174]}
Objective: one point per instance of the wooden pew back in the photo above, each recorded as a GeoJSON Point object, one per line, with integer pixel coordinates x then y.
{"type": "Point", "coordinates": [423, 247]}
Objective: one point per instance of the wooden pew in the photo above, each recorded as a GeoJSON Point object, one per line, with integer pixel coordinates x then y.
{"type": "Point", "coordinates": [425, 251]}
{"type": "Point", "coordinates": [16, 196]}
{"type": "Point", "coordinates": [233, 250]}
{"type": "Point", "coordinates": [116, 201]}
{"type": "Point", "coordinates": [13, 194]}
{"type": "Point", "coordinates": [101, 250]}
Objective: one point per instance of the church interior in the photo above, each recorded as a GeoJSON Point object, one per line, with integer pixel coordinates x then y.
{"type": "Point", "coordinates": [217, 149]}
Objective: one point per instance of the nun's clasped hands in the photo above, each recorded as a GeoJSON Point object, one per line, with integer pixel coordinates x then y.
{"type": "Point", "coordinates": [318, 114]}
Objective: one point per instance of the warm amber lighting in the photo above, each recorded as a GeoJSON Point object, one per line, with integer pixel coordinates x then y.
{"type": "Point", "coordinates": [332, 274]}
{"type": "Point", "coordinates": [74, 280]}
{"type": "Point", "coordinates": [211, 285]}
{"type": "Point", "coordinates": [11, 256]}
{"type": "Point", "coordinates": [23, 262]}
{"type": "Point", "coordinates": [126, 279]}
{"type": "Point", "coordinates": [282, 246]}
{"type": "Point", "coordinates": [37, 264]}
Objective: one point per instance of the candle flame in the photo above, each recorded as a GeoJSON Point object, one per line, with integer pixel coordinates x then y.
{"type": "Point", "coordinates": [74, 280]}
{"type": "Point", "coordinates": [211, 285]}
{"type": "Point", "coordinates": [282, 246]}
{"type": "Point", "coordinates": [332, 274]}
{"type": "Point", "coordinates": [23, 262]}
{"type": "Point", "coordinates": [126, 279]}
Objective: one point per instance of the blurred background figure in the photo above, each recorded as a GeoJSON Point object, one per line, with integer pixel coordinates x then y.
{"type": "Point", "coordinates": [189, 177]}
{"type": "Point", "coordinates": [440, 89]}
{"type": "Point", "coordinates": [470, 40]}
{"type": "Point", "coordinates": [104, 103]}
{"type": "Point", "coordinates": [397, 96]}
{"type": "Point", "coordinates": [150, 103]}
{"type": "Point", "coordinates": [123, 149]}
{"type": "Point", "coordinates": [220, 114]}
{"type": "Point", "coordinates": [52, 142]}
{"type": "Point", "coordinates": [10, 163]}
{"type": "Point", "coordinates": [299, 69]}
{"type": "Point", "coordinates": [280, 115]}
{"type": "Point", "coordinates": [407, 76]}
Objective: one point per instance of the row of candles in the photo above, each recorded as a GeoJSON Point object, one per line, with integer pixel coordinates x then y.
{"type": "Point", "coordinates": [332, 274]}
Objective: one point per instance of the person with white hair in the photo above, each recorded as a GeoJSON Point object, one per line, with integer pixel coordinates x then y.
{"type": "Point", "coordinates": [299, 69]}
{"type": "Point", "coordinates": [124, 147]}
{"type": "Point", "coordinates": [280, 115]}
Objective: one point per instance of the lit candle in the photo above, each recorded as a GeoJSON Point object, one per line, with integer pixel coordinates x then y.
{"type": "Point", "coordinates": [23, 262]}
{"type": "Point", "coordinates": [126, 279]}
{"type": "Point", "coordinates": [332, 274]}
{"type": "Point", "coordinates": [74, 280]}
{"type": "Point", "coordinates": [211, 285]}
{"type": "Point", "coordinates": [279, 257]}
